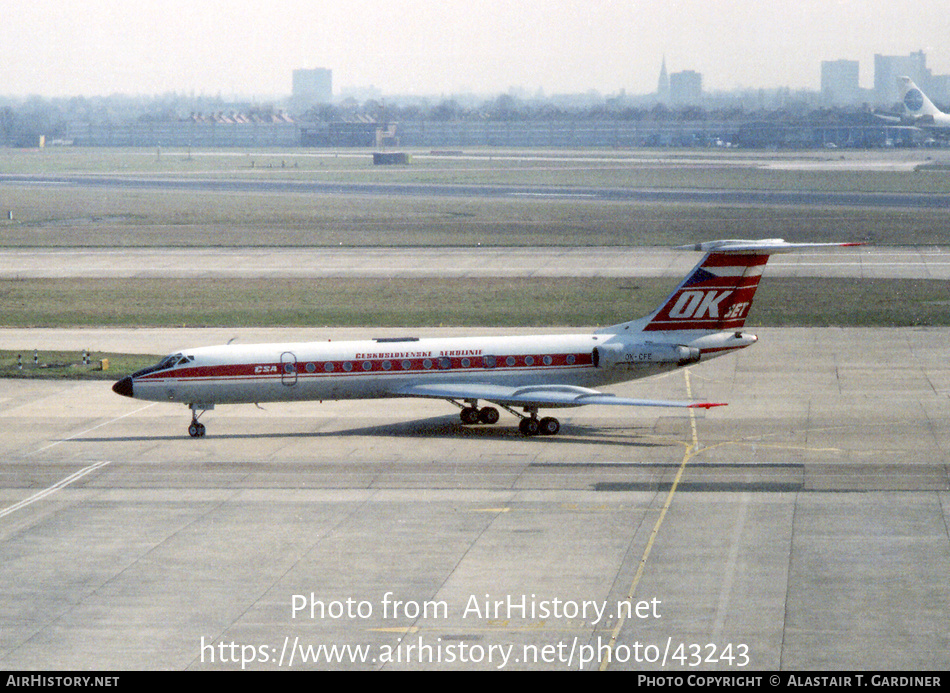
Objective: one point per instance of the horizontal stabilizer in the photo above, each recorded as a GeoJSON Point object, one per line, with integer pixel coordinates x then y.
{"type": "Point", "coordinates": [764, 246]}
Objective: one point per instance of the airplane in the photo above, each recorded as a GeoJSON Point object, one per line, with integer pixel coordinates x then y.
{"type": "Point", "coordinates": [702, 319]}
{"type": "Point", "coordinates": [919, 111]}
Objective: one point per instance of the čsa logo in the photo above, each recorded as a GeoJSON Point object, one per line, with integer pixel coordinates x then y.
{"type": "Point", "coordinates": [696, 305]}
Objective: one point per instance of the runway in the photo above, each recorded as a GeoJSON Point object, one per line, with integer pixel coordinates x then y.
{"type": "Point", "coordinates": [211, 183]}
{"type": "Point", "coordinates": [802, 527]}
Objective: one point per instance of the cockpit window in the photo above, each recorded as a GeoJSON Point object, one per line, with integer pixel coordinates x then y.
{"type": "Point", "coordinates": [165, 363]}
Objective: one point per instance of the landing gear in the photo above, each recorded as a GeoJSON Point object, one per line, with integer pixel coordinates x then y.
{"type": "Point", "coordinates": [548, 426]}
{"type": "Point", "coordinates": [488, 415]}
{"type": "Point", "coordinates": [530, 425]}
{"type": "Point", "coordinates": [195, 429]}
{"type": "Point", "coordinates": [473, 415]}
{"type": "Point", "coordinates": [469, 415]}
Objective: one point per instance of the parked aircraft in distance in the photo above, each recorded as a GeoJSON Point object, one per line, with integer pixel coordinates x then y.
{"type": "Point", "coordinates": [700, 320]}
{"type": "Point", "coordinates": [919, 111]}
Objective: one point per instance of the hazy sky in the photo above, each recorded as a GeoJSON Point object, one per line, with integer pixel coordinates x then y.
{"type": "Point", "coordinates": [99, 47]}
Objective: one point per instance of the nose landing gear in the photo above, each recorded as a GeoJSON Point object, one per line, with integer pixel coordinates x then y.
{"type": "Point", "coordinates": [195, 429]}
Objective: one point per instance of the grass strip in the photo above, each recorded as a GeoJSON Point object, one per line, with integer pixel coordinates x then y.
{"type": "Point", "coordinates": [503, 302]}
{"type": "Point", "coordinates": [69, 365]}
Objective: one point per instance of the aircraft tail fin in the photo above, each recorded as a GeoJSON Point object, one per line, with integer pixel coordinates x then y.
{"type": "Point", "coordinates": [717, 294]}
{"type": "Point", "coordinates": [915, 101]}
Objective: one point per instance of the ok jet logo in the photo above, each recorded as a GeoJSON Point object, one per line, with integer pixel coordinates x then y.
{"type": "Point", "coordinates": [698, 304]}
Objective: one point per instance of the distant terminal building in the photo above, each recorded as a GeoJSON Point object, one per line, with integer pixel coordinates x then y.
{"type": "Point", "coordinates": [254, 128]}
{"type": "Point", "coordinates": [357, 131]}
{"type": "Point", "coordinates": [839, 83]}
{"type": "Point", "coordinates": [312, 88]}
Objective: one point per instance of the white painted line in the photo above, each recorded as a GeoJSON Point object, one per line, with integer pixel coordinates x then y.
{"type": "Point", "coordinates": [550, 194]}
{"type": "Point", "coordinates": [725, 594]}
{"type": "Point", "coordinates": [88, 430]}
{"type": "Point", "coordinates": [63, 483]}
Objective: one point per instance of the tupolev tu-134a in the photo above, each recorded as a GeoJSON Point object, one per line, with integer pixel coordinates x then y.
{"type": "Point", "coordinates": [700, 320]}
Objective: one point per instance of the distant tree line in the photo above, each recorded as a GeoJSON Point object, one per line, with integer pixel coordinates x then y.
{"type": "Point", "coordinates": [23, 127]}
{"type": "Point", "coordinates": [510, 108]}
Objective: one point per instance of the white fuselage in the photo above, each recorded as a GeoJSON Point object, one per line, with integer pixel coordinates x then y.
{"type": "Point", "coordinates": [380, 368]}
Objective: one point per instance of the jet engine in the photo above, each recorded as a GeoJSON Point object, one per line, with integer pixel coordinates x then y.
{"type": "Point", "coordinates": [636, 355]}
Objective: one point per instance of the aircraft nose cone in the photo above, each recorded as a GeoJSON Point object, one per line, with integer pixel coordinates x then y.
{"type": "Point", "coordinates": [123, 387]}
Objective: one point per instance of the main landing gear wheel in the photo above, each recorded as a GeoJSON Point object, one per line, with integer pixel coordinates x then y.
{"type": "Point", "coordinates": [488, 415]}
{"type": "Point", "coordinates": [529, 427]}
{"type": "Point", "coordinates": [473, 415]}
{"type": "Point", "coordinates": [548, 426]}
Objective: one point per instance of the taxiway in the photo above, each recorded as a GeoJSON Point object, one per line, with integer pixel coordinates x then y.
{"type": "Point", "coordinates": [576, 261]}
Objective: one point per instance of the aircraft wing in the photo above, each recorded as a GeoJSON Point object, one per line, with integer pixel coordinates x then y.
{"type": "Point", "coordinates": [536, 395]}
{"type": "Point", "coordinates": [889, 118]}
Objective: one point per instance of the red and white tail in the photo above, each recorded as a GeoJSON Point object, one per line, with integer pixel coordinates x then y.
{"type": "Point", "coordinates": [717, 294]}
